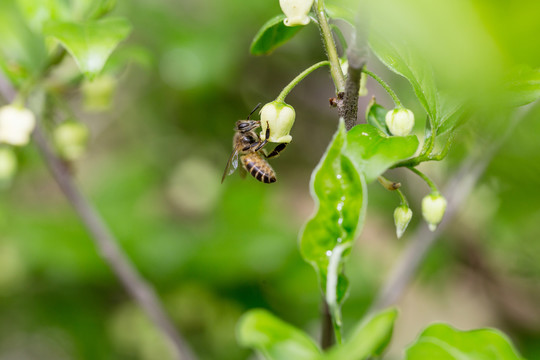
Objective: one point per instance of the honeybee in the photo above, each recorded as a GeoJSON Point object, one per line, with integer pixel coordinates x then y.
{"type": "Point", "coordinates": [247, 146]}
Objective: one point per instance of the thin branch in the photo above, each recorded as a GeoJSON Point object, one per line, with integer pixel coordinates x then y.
{"type": "Point", "coordinates": [127, 274]}
{"type": "Point", "coordinates": [356, 58]}
{"type": "Point", "coordinates": [348, 108]}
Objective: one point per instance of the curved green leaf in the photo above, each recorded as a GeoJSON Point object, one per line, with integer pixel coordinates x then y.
{"type": "Point", "coordinates": [90, 43]}
{"type": "Point", "coordinates": [340, 195]}
{"type": "Point", "coordinates": [370, 338]}
{"type": "Point", "coordinates": [441, 341]}
{"type": "Point", "coordinates": [373, 152]}
{"type": "Point", "coordinates": [274, 338]}
{"type": "Point", "coordinates": [401, 59]}
{"type": "Point", "coordinates": [272, 35]}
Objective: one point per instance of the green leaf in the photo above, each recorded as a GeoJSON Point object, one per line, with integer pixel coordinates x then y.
{"type": "Point", "coordinates": [272, 35]}
{"type": "Point", "coordinates": [39, 12]}
{"type": "Point", "coordinates": [90, 43]}
{"type": "Point", "coordinates": [339, 192]}
{"type": "Point", "coordinates": [22, 52]}
{"type": "Point", "coordinates": [342, 9]}
{"type": "Point", "coordinates": [524, 87]}
{"type": "Point", "coordinates": [401, 59]}
{"type": "Point", "coordinates": [441, 341]}
{"type": "Point", "coordinates": [274, 338]}
{"type": "Point", "coordinates": [370, 338]}
{"type": "Point", "coordinates": [405, 61]}
{"type": "Point", "coordinates": [373, 152]}
{"type": "Point", "coordinates": [376, 116]}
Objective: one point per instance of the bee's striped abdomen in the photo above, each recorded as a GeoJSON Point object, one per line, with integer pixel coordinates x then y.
{"type": "Point", "coordinates": [259, 168]}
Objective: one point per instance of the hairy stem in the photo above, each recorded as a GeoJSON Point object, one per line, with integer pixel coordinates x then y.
{"type": "Point", "coordinates": [287, 89]}
{"type": "Point", "coordinates": [386, 87]}
{"type": "Point", "coordinates": [329, 46]}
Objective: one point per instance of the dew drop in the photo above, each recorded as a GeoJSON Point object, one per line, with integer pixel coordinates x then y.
{"type": "Point", "coordinates": [329, 253]}
{"type": "Point", "coordinates": [338, 176]}
{"type": "Point", "coordinates": [340, 221]}
{"type": "Point", "coordinates": [339, 240]}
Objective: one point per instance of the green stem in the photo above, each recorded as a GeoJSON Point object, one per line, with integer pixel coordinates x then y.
{"type": "Point", "coordinates": [337, 331]}
{"type": "Point", "coordinates": [385, 86]}
{"type": "Point", "coordinates": [330, 46]}
{"type": "Point", "coordinates": [287, 89]}
{"type": "Point", "coordinates": [402, 198]}
{"type": "Point", "coordinates": [424, 177]}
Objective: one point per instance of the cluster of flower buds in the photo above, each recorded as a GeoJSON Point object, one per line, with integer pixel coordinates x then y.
{"type": "Point", "coordinates": [400, 121]}
{"type": "Point", "coordinates": [296, 11]}
{"type": "Point", "coordinates": [433, 208]}
{"type": "Point", "coordinates": [279, 117]}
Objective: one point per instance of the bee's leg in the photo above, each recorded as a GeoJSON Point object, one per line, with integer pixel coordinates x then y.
{"type": "Point", "coordinates": [267, 135]}
{"type": "Point", "coordinates": [278, 149]}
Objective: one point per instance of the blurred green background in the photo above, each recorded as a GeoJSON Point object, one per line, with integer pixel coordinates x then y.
{"type": "Point", "coordinates": [213, 251]}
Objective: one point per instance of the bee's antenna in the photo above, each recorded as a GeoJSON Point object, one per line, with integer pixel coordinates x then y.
{"type": "Point", "coordinates": [256, 107]}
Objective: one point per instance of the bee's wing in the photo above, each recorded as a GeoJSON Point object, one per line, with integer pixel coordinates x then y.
{"type": "Point", "coordinates": [243, 172]}
{"type": "Point", "coordinates": [232, 164]}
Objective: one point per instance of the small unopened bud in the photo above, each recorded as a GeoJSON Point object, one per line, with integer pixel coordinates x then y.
{"type": "Point", "coordinates": [8, 165]}
{"type": "Point", "coordinates": [402, 217]}
{"type": "Point", "coordinates": [400, 121]}
{"type": "Point", "coordinates": [70, 139]}
{"type": "Point", "coordinates": [433, 208]}
{"type": "Point", "coordinates": [279, 117]}
{"type": "Point", "coordinates": [296, 11]}
{"type": "Point", "coordinates": [16, 125]}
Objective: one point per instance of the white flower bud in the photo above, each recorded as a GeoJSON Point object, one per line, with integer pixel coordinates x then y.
{"type": "Point", "coordinates": [8, 165]}
{"type": "Point", "coordinates": [296, 11]}
{"type": "Point", "coordinates": [279, 117]}
{"type": "Point", "coordinates": [433, 208]}
{"type": "Point", "coordinates": [16, 125]}
{"type": "Point", "coordinates": [402, 217]}
{"type": "Point", "coordinates": [400, 121]}
{"type": "Point", "coordinates": [70, 139]}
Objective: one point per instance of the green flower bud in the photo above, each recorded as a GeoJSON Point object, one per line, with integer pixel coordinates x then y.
{"type": "Point", "coordinates": [433, 208]}
{"type": "Point", "coordinates": [279, 117]}
{"type": "Point", "coordinates": [402, 217]}
{"type": "Point", "coordinates": [400, 121]}
{"type": "Point", "coordinates": [8, 165]}
{"type": "Point", "coordinates": [16, 125]}
{"type": "Point", "coordinates": [296, 11]}
{"type": "Point", "coordinates": [70, 139]}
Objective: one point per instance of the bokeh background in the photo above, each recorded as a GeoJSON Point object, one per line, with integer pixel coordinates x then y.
{"type": "Point", "coordinates": [153, 169]}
